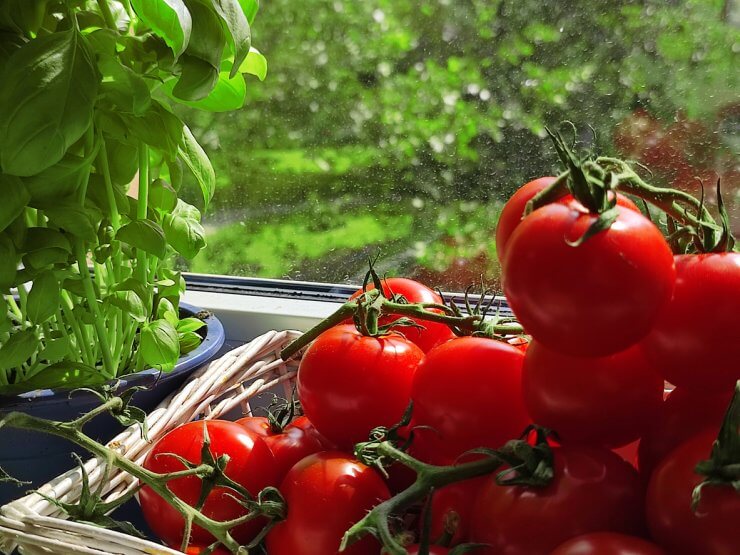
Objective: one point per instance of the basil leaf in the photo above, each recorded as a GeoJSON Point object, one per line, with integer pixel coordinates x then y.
{"type": "Point", "coordinates": [250, 7]}
{"type": "Point", "coordinates": [197, 161]}
{"type": "Point", "coordinates": [130, 303]}
{"type": "Point", "coordinates": [197, 79]}
{"type": "Point", "coordinates": [9, 43]}
{"type": "Point", "coordinates": [169, 19]}
{"type": "Point", "coordinates": [8, 263]}
{"type": "Point", "coordinates": [255, 64]}
{"type": "Point", "coordinates": [65, 374]}
{"type": "Point", "coordinates": [38, 238]}
{"type": "Point", "coordinates": [189, 324]}
{"type": "Point", "coordinates": [18, 349]}
{"type": "Point", "coordinates": [15, 199]}
{"type": "Point", "coordinates": [43, 298]}
{"type": "Point", "coordinates": [23, 15]}
{"type": "Point", "coordinates": [158, 127]}
{"type": "Point", "coordinates": [160, 347]}
{"type": "Point", "coordinates": [162, 196]}
{"type": "Point", "coordinates": [73, 219]}
{"type": "Point", "coordinates": [189, 341]}
{"type": "Point", "coordinates": [228, 94]}
{"type": "Point", "coordinates": [43, 258]}
{"type": "Point", "coordinates": [58, 182]}
{"type": "Point", "coordinates": [235, 21]}
{"type": "Point", "coordinates": [55, 350]}
{"type": "Point", "coordinates": [185, 235]}
{"type": "Point", "coordinates": [145, 235]}
{"type": "Point", "coordinates": [47, 103]}
{"type": "Point", "coordinates": [125, 88]}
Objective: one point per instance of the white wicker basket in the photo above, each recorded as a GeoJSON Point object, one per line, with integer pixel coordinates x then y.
{"type": "Point", "coordinates": [35, 526]}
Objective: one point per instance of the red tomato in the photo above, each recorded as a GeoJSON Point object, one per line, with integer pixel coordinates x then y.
{"type": "Point", "coordinates": [601, 400]}
{"type": "Point", "coordinates": [713, 528]}
{"type": "Point", "coordinates": [252, 465]}
{"type": "Point", "coordinates": [433, 333]}
{"type": "Point", "coordinates": [694, 341]}
{"type": "Point", "coordinates": [349, 384]}
{"type": "Point", "coordinates": [594, 299]}
{"type": "Point", "coordinates": [468, 393]}
{"type": "Point", "coordinates": [592, 490]}
{"type": "Point", "coordinates": [513, 210]}
{"type": "Point", "coordinates": [326, 494]}
{"type": "Point", "coordinates": [682, 415]}
{"type": "Point", "coordinates": [297, 440]}
{"type": "Point", "coordinates": [452, 505]}
{"type": "Point", "coordinates": [607, 543]}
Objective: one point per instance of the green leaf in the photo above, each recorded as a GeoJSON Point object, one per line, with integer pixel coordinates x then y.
{"type": "Point", "coordinates": [38, 238]}
{"type": "Point", "coordinates": [66, 374]}
{"type": "Point", "coordinates": [18, 349]}
{"type": "Point", "coordinates": [15, 199]}
{"type": "Point", "coordinates": [145, 235]}
{"type": "Point", "coordinates": [189, 324]}
{"type": "Point", "coordinates": [9, 43]}
{"type": "Point", "coordinates": [197, 79]}
{"type": "Point", "coordinates": [74, 286]}
{"type": "Point", "coordinates": [124, 87]}
{"type": "Point", "coordinates": [43, 298]}
{"type": "Point", "coordinates": [166, 310]}
{"type": "Point", "coordinates": [43, 258]}
{"type": "Point", "coordinates": [8, 263]}
{"type": "Point", "coordinates": [5, 324]}
{"type": "Point", "coordinates": [162, 196]}
{"type": "Point", "coordinates": [58, 182]}
{"type": "Point", "coordinates": [131, 304]}
{"type": "Point", "coordinates": [195, 158]}
{"type": "Point", "coordinates": [47, 103]}
{"type": "Point", "coordinates": [250, 8]}
{"type": "Point", "coordinates": [73, 219]}
{"type": "Point", "coordinates": [228, 94]}
{"type": "Point", "coordinates": [23, 15]}
{"type": "Point", "coordinates": [169, 19]}
{"type": "Point", "coordinates": [159, 128]}
{"type": "Point", "coordinates": [160, 347]}
{"type": "Point", "coordinates": [235, 21]}
{"type": "Point", "coordinates": [123, 160]}
{"type": "Point", "coordinates": [188, 341]}
{"type": "Point", "coordinates": [255, 64]}
{"type": "Point", "coordinates": [185, 235]}
{"type": "Point", "coordinates": [56, 350]}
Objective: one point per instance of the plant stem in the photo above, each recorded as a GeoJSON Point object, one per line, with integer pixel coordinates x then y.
{"type": "Point", "coordinates": [78, 329]}
{"type": "Point", "coordinates": [107, 15]}
{"type": "Point", "coordinates": [14, 307]}
{"type": "Point", "coordinates": [115, 217]}
{"type": "Point", "coordinates": [92, 301]}
{"type": "Point", "coordinates": [142, 207]}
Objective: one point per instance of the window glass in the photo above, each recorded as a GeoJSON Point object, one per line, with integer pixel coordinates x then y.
{"type": "Point", "coordinates": [396, 128]}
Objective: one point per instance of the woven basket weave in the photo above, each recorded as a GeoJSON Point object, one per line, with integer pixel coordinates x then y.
{"type": "Point", "coordinates": [35, 526]}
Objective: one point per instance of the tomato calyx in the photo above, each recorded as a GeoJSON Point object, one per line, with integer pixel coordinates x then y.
{"type": "Point", "coordinates": [529, 464]}
{"type": "Point", "coordinates": [722, 469]}
{"type": "Point", "coordinates": [493, 327]}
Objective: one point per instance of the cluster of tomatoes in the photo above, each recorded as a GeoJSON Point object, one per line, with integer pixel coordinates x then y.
{"type": "Point", "coordinates": [611, 318]}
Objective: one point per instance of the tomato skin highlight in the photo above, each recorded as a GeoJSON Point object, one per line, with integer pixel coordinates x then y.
{"type": "Point", "coordinates": [682, 415]}
{"type": "Point", "coordinates": [594, 299]}
{"type": "Point", "coordinates": [326, 494]}
{"type": "Point", "coordinates": [349, 384]}
{"type": "Point", "coordinates": [468, 392]}
{"type": "Point", "coordinates": [607, 400]}
{"type": "Point", "coordinates": [297, 440]}
{"type": "Point", "coordinates": [433, 333]}
{"type": "Point", "coordinates": [607, 543]}
{"type": "Point", "coordinates": [694, 340]}
{"type": "Point", "coordinates": [713, 529]}
{"type": "Point", "coordinates": [593, 489]}
{"type": "Point", "coordinates": [252, 465]}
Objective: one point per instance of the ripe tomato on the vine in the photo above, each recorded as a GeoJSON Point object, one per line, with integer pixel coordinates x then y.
{"type": "Point", "coordinates": [349, 383]}
{"type": "Point", "coordinates": [451, 508]}
{"type": "Point", "coordinates": [710, 530]}
{"type": "Point", "coordinates": [251, 465]}
{"type": "Point", "coordinates": [683, 414]}
{"type": "Point", "coordinates": [296, 441]}
{"type": "Point", "coordinates": [596, 298]}
{"type": "Point", "coordinates": [592, 490]}
{"type": "Point", "coordinates": [513, 211]}
{"type": "Point", "coordinates": [326, 493]}
{"type": "Point", "coordinates": [606, 400]}
{"type": "Point", "coordinates": [694, 341]}
{"type": "Point", "coordinates": [607, 543]}
{"type": "Point", "coordinates": [430, 334]}
{"type": "Point", "coordinates": [467, 394]}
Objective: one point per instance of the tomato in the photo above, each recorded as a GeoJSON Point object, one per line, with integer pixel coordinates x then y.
{"type": "Point", "coordinates": [713, 528]}
{"type": "Point", "coordinates": [297, 440]}
{"type": "Point", "coordinates": [513, 210]}
{"type": "Point", "coordinates": [433, 333]}
{"type": "Point", "coordinates": [592, 490]}
{"type": "Point", "coordinates": [452, 505]}
{"type": "Point", "coordinates": [326, 494]}
{"type": "Point", "coordinates": [198, 549]}
{"type": "Point", "coordinates": [349, 384]}
{"type": "Point", "coordinates": [694, 341]}
{"type": "Point", "coordinates": [682, 415]}
{"type": "Point", "coordinates": [511, 214]}
{"type": "Point", "coordinates": [252, 465]}
{"type": "Point", "coordinates": [594, 299]}
{"type": "Point", "coordinates": [433, 550]}
{"type": "Point", "coordinates": [468, 393]}
{"type": "Point", "coordinates": [607, 543]}
{"type": "Point", "coordinates": [606, 400]}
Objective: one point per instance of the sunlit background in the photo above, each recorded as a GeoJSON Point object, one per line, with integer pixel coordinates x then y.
{"type": "Point", "coordinates": [398, 127]}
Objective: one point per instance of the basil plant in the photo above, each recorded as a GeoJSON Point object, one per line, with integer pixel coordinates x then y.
{"type": "Point", "coordinates": [92, 156]}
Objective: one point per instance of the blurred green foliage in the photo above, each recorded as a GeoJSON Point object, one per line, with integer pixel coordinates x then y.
{"type": "Point", "coordinates": [443, 103]}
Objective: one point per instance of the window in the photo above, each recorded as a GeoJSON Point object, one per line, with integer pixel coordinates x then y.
{"type": "Point", "coordinates": [397, 128]}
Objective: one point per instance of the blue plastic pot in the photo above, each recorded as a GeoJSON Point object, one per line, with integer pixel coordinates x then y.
{"type": "Point", "coordinates": [37, 458]}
